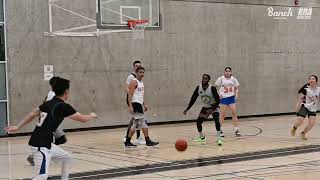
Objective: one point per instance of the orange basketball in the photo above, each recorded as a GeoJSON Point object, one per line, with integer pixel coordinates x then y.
{"type": "Point", "coordinates": [181, 145]}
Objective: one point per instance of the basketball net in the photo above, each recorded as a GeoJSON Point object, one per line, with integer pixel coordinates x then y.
{"type": "Point", "coordinates": [137, 27]}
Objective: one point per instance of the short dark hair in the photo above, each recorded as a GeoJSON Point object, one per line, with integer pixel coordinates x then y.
{"type": "Point", "coordinates": [136, 62]}
{"type": "Point", "coordinates": [208, 76]}
{"type": "Point", "coordinates": [53, 80]}
{"type": "Point", "coordinates": [140, 68]}
{"type": "Point", "coordinates": [227, 68]}
{"type": "Point", "coordinates": [61, 86]}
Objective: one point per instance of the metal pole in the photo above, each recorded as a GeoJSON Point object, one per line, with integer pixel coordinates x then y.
{"type": "Point", "coordinates": [50, 16]}
{"type": "Point", "coordinates": [6, 59]}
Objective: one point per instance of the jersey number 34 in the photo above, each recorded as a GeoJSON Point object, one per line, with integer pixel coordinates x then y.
{"type": "Point", "coordinates": [227, 89]}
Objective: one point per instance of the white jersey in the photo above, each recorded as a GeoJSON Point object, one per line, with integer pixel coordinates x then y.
{"type": "Point", "coordinates": [138, 92]}
{"type": "Point", "coordinates": [50, 95]}
{"type": "Point", "coordinates": [312, 99]}
{"type": "Point", "coordinates": [227, 86]}
{"type": "Point", "coordinates": [130, 78]}
{"type": "Point", "coordinates": [206, 96]}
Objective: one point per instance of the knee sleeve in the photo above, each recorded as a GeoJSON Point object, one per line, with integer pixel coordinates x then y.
{"type": "Point", "coordinates": [137, 124]}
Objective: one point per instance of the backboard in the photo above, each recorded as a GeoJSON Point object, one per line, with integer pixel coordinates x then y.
{"type": "Point", "coordinates": [113, 14]}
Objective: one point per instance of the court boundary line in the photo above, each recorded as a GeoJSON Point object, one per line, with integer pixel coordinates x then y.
{"type": "Point", "coordinates": [257, 170]}
{"type": "Point", "coordinates": [199, 162]}
{"type": "Point", "coordinates": [156, 124]}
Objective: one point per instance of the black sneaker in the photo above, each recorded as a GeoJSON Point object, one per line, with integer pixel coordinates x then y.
{"type": "Point", "coordinates": [237, 133]}
{"type": "Point", "coordinates": [129, 144]}
{"type": "Point", "coordinates": [30, 160]}
{"type": "Point", "coordinates": [151, 143]}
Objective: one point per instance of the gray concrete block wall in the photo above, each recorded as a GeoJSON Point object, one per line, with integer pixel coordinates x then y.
{"type": "Point", "coordinates": [195, 38]}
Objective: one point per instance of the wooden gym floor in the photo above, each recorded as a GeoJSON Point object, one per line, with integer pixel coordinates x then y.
{"type": "Point", "coordinates": [266, 151]}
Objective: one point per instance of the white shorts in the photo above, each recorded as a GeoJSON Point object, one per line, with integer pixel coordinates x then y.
{"type": "Point", "coordinates": [42, 157]}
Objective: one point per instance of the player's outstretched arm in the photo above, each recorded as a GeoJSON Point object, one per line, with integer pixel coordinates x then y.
{"type": "Point", "coordinates": [27, 119]}
{"type": "Point", "coordinates": [236, 91]}
{"type": "Point", "coordinates": [126, 88]}
{"type": "Point", "coordinates": [301, 95]}
{"type": "Point", "coordinates": [127, 84]}
{"type": "Point", "coordinates": [132, 87]}
{"type": "Point", "coordinates": [192, 100]}
{"type": "Point", "coordinates": [299, 102]}
{"type": "Point", "coordinates": [236, 88]}
{"type": "Point", "coordinates": [83, 117]}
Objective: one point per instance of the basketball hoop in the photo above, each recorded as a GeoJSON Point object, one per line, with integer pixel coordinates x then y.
{"type": "Point", "coordinates": [138, 27]}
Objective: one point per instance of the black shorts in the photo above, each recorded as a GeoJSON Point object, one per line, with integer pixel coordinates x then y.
{"type": "Point", "coordinates": [303, 112]}
{"type": "Point", "coordinates": [137, 108]}
{"type": "Point", "coordinates": [204, 110]}
{"type": "Point", "coordinates": [215, 114]}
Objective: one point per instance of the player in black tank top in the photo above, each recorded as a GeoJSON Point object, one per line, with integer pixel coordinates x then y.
{"type": "Point", "coordinates": [207, 110]}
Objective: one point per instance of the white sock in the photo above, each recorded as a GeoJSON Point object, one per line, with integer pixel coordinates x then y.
{"type": "Point", "coordinates": [236, 128]}
{"type": "Point", "coordinates": [65, 170]}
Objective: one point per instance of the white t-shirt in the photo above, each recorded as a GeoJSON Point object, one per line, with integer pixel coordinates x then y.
{"type": "Point", "coordinates": [227, 86]}
{"type": "Point", "coordinates": [312, 99]}
{"type": "Point", "coordinates": [130, 78]}
{"type": "Point", "coordinates": [138, 92]}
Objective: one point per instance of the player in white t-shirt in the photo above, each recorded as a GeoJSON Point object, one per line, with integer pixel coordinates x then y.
{"type": "Point", "coordinates": [307, 105]}
{"type": "Point", "coordinates": [228, 88]}
{"type": "Point", "coordinates": [137, 107]}
{"type": "Point", "coordinates": [140, 139]}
